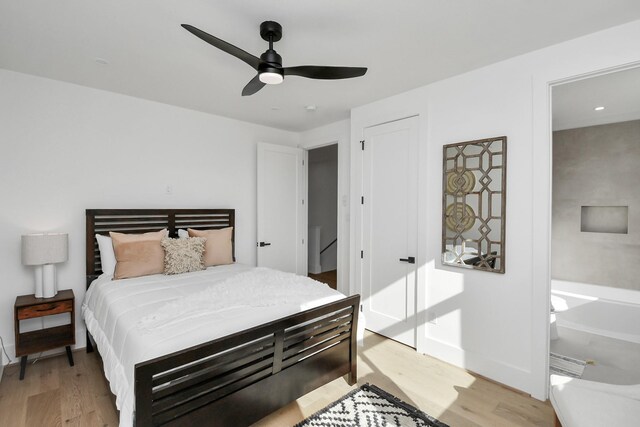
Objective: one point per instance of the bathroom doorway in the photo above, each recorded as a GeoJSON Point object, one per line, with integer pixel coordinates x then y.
{"type": "Point", "coordinates": [595, 230]}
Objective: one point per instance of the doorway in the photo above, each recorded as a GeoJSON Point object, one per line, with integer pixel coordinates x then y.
{"type": "Point", "coordinates": [595, 228]}
{"type": "Point", "coordinates": [323, 214]}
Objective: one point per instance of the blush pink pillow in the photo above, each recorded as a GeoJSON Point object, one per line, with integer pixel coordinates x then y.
{"type": "Point", "coordinates": [138, 254]}
{"type": "Point", "coordinates": [218, 249]}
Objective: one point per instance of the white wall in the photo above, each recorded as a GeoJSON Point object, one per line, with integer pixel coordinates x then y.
{"type": "Point", "coordinates": [596, 166]}
{"type": "Point", "coordinates": [66, 148]}
{"type": "Point", "coordinates": [338, 132]}
{"type": "Point", "coordinates": [496, 325]}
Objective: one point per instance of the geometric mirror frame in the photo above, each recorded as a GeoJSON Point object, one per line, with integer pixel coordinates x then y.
{"type": "Point", "coordinates": [474, 185]}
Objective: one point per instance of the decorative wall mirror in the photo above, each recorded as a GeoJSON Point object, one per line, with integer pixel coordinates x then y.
{"type": "Point", "coordinates": [473, 204]}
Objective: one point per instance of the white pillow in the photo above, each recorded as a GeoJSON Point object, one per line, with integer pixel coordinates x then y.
{"type": "Point", "coordinates": [107, 255]}
{"type": "Point", "coordinates": [182, 233]}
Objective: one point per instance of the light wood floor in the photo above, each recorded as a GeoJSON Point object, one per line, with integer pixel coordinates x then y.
{"type": "Point", "coordinates": [54, 394]}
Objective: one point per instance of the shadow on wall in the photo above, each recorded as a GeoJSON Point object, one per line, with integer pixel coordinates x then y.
{"type": "Point", "coordinates": [443, 309]}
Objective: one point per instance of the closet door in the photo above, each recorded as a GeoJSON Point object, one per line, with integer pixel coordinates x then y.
{"type": "Point", "coordinates": [389, 229]}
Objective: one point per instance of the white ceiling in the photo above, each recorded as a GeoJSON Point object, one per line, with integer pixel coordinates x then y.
{"type": "Point", "coordinates": [405, 44]}
{"type": "Point", "coordinates": [619, 93]}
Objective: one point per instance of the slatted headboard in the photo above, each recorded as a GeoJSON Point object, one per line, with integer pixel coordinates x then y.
{"type": "Point", "coordinates": [102, 221]}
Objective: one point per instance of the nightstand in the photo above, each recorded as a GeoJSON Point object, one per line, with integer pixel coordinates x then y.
{"type": "Point", "coordinates": [30, 307]}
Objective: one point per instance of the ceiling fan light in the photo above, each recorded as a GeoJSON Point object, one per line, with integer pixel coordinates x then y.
{"type": "Point", "coordinates": [271, 78]}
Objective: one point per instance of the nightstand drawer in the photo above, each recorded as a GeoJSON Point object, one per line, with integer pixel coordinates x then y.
{"type": "Point", "coordinates": [45, 309]}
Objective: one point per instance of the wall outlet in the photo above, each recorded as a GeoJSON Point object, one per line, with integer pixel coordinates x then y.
{"type": "Point", "coordinates": [432, 317]}
{"type": "Point", "coordinates": [168, 190]}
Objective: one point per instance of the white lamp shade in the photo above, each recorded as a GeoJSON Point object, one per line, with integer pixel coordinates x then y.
{"type": "Point", "coordinates": [40, 249]}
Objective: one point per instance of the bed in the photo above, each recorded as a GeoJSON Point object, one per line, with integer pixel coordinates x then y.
{"type": "Point", "coordinates": [167, 364]}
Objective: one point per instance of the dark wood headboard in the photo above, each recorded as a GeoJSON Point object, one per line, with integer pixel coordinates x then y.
{"type": "Point", "coordinates": [102, 221]}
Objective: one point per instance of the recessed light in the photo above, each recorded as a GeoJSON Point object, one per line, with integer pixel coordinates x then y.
{"type": "Point", "coordinates": [599, 108]}
{"type": "Point", "coordinates": [102, 61]}
{"type": "Point", "coordinates": [310, 107]}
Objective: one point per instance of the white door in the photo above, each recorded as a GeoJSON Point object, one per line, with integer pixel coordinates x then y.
{"type": "Point", "coordinates": [281, 209]}
{"type": "Point", "coordinates": [389, 228]}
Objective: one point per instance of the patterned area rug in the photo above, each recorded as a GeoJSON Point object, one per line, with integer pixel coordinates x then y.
{"type": "Point", "coordinates": [370, 406]}
{"type": "Point", "coordinates": [565, 365]}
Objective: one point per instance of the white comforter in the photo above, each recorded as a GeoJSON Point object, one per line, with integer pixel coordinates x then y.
{"type": "Point", "coordinates": [134, 320]}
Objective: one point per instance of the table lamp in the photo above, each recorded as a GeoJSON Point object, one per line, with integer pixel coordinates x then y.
{"type": "Point", "coordinates": [45, 250]}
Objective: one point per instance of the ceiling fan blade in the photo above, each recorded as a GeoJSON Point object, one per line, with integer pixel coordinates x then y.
{"type": "Point", "coordinates": [253, 86]}
{"type": "Point", "coordinates": [253, 61]}
{"type": "Point", "coordinates": [321, 72]}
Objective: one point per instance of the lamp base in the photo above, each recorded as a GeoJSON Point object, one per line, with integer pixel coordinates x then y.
{"type": "Point", "coordinates": [38, 289]}
{"type": "Point", "coordinates": [49, 282]}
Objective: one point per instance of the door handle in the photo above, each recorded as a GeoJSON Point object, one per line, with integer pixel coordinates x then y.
{"type": "Point", "coordinates": [263, 244]}
{"type": "Point", "coordinates": [410, 260]}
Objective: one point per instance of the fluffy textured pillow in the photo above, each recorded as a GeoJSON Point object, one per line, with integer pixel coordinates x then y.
{"type": "Point", "coordinates": [138, 254]}
{"type": "Point", "coordinates": [218, 248]}
{"type": "Point", "coordinates": [183, 255]}
{"type": "Point", "coordinates": [107, 256]}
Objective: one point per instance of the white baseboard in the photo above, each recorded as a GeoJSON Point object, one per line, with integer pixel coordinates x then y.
{"type": "Point", "coordinates": [495, 370]}
{"type": "Point", "coordinates": [315, 269]}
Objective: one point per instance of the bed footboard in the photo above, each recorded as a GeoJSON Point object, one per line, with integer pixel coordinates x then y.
{"type": "Point", "coordinates": [238, 379]}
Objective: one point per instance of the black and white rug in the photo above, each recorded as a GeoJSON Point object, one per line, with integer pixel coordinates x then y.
{"type": "Point", "coordinates": [370, 406]}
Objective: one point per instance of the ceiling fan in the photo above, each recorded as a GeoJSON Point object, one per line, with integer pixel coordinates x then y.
{"type": "Point", "coordinates": [269, 65]}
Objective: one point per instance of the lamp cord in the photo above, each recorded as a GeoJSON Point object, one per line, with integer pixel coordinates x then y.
{"type": "Point", "coordinates": [5, 350]}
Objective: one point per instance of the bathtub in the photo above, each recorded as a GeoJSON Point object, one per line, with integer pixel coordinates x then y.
{"type": "Point", "coordinates": [601, 310]}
